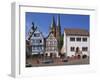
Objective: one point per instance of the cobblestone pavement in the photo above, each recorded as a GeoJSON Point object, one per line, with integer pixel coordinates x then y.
{"type": "Point", "coordinates": [56, 61]}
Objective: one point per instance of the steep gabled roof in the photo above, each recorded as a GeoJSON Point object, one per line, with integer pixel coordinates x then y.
{"type": "Point", "coordinates": [50, 34]}
{"type": "Point", "coordinates": [37, 29]}
{"type": "Point", "coordinates": [77, 32]}
{"type": "Point", "coordinates": [32, 33]}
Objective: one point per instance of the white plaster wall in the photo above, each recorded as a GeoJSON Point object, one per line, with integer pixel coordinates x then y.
{"type": "Point", "coordinates": [77, 44]}
{"type": "Point", "coordinates": [65, 44]}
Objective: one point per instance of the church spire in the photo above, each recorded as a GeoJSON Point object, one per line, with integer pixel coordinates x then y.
{"type": "Point", "coordinates": [53, 27]}
{"type": "Point", "coordinates": [53, 24]}
{"type": "Point", "coordinates": [58, 25]}
{"type": "Point", "coordinates": [58, 21]}
{"type": "Point", "coordinates": [58, 33]}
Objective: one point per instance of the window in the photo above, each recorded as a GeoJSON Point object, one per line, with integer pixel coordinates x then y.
{"type": "Point", "coordinates": [78, 39]}
{"type": "Point", "coordinates": [77, 49]}
{"type": "Point", "coordinates": [33, 48]}
{"type": "Point", "coordinates": [55, 48]}
{"type": "Point", "coordinates": [51, 42]}
{"type": "Point", "coordinates": [40, 41]}
{"type": "Point", "coordinates": [72, 49]}
{"type": "Point", "coordinates": [40, 48]}
{"type": "Point", "coordinates": [36, 35]}
{"type": "Point", "coordinates": [55, 42]}
{"type": "Point", "coordinates": [37, 41]}
{"type": "Point", "coordinates": [84, 39]}
{"type": "Point", "coordinates": [33, 41]}
{"type": "Point", "coordinates": [72, 39]}
{"type": "Point", "coordinates": [84, 48]}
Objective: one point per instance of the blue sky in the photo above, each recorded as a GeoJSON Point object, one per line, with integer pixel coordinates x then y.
{"type": "Point", "coordinates": [44, 20]}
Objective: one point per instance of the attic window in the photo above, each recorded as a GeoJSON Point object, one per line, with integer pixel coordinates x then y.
{"type": "Point", "coordinates": [36, 35]}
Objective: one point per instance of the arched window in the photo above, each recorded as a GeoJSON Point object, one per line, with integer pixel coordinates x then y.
{"type": "Point", "coordinates": [77, 49]}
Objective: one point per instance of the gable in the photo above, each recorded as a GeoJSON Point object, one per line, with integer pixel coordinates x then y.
{"type": "Point", "coordinates": [37, 34]}
{"type": "Point", "coordinates": [51, 36]}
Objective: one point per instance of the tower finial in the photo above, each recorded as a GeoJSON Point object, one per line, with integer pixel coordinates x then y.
{"type": "Point", "coordinates": [33, 26]}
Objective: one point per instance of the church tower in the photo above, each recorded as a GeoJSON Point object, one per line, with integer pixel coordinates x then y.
{"type": "Point", "coordinates": [58, 33]}
{"type": "Point", "coordinates": [53, 27]}
{"type": "Point", "coordinates": [58, 28]}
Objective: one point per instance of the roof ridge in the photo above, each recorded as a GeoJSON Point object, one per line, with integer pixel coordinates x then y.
{"type": "Point", "coordinates": [76, 31]}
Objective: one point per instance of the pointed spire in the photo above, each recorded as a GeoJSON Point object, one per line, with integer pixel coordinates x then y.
{"type": "Point", "coordinates": [53, 24]}
{"type": "Point", "coordinates": [58, 26]}
{"type": "Point", "coordinates": [58, 21]}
